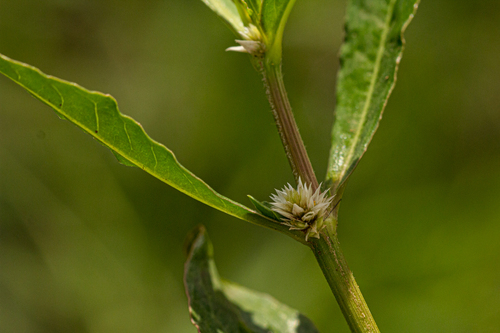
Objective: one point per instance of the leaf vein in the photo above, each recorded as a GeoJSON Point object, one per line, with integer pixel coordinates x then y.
{"type": "Point", "coordinates": [128, 135]}
{"type": "Point", "coordinates": [96, 116]}
{"type": "Point", "coordinates": [60, 95]}
{"type": "Point", "coordinates": [156, 160]}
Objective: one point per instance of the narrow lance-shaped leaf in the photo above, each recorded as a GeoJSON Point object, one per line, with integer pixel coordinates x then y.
{"type": "Point", "coordinates": [369, 60]}
{"type": "Point", "coordinates": [220, 306]}
{"type": "Point", "coordinates": [98, 115]}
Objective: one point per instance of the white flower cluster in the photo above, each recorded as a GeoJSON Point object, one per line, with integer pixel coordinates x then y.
{"type": "Point", "coordinates": [251, 42]}
{"type": "Point", "coordinates": [302, 208]}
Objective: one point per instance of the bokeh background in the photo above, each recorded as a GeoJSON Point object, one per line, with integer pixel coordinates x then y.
{"type": "Point", "coordinates": [89, 245]}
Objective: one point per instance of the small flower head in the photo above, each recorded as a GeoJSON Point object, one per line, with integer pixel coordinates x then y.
{"type": "Point", "coordinates": [302, 208]}
{"type": "Point", "coordinates": [251, 42]}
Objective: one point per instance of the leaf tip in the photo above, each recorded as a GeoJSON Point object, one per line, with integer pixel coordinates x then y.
{"type": "Point", "coordinates": [192, 237]}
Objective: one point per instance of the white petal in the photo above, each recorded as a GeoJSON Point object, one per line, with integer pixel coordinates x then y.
{"type": "Point", "coordinates": [237, 49]}
{"type": "Point", "coordinates": [297, 210]}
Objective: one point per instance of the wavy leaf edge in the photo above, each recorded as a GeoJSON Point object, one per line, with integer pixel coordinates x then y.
{"type": "Point", "coordinates": [199, 190]}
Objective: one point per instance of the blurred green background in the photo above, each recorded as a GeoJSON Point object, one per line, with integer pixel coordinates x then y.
{"type": "Point", "coordinates": [89, 245]}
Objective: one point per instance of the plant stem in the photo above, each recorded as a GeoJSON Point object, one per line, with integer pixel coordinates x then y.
{"type": "Point", "coordinates": [342, 283]}
{"type": "Point", "coordinates": [287, 128]}
{"type": "Point", "coordinates": [326, 249]}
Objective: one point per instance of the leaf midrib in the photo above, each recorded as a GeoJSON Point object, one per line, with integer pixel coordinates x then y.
{"type": "Point", "coordinates": [380, 53]}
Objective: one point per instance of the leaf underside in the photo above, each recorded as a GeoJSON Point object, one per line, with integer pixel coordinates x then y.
{"type": "Point", "coordinates": [220, 306]}
{"type": "Point", "coordinates": [369, 60]}
{"type": "Point", "coordinates": [227, 10]}
{"type": "Point", "coordinates": [98, 115]}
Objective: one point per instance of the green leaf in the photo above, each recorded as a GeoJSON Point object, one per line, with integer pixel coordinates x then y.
{"type": "Point", "coordinates": [228, 11]}
{"type": "Point", "coordinates": [220, 306]}
{"type": "Point", "coordinates": [98, 115]}
{"type": "Point", "coordinates": [273, 18]}
{"type": "Point", "coordinates": [369, 61]}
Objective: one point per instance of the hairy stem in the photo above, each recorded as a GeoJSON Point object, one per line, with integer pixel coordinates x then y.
{"type": "Point", "coordinates": [287, 128]}
{"type": "Point", "coordinates": [341, 280]}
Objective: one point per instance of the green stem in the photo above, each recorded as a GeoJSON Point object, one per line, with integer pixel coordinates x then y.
{"type": "Point", "coordinates": [287, 127]}
{"type": "Point", "coordinates": [341, 280]}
